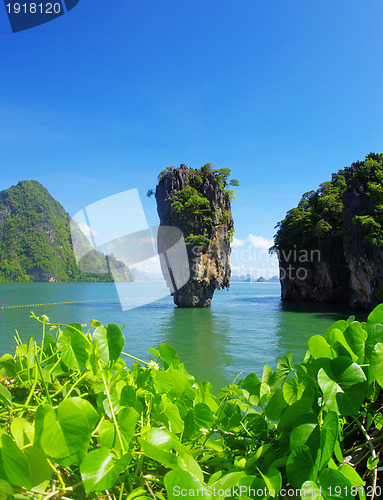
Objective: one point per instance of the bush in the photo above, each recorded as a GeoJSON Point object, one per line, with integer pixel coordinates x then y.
{"type": "Point", "coordinates": [78, 423]}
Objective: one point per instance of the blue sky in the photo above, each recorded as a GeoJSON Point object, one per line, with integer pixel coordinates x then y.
{"type": "Point", "coordinates": [103, 98]}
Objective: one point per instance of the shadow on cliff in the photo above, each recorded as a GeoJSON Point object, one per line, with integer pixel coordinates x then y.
{"type": "Point", "coordinates": [332, 311]}
{"type": "Point", "coordinates": [202, 340]}
{"type": "Point", "coordinates": [298, 321]}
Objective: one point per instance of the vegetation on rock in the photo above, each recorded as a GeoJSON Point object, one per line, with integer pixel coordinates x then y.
{"type": "Point", "coordinates": [320, 214]}
{"type": "Point", "coordinates": [35, 241]}
{"type": "Point", "coordinates": [192, 210]}
{"type": "Point", "coordinates": [77, 423]}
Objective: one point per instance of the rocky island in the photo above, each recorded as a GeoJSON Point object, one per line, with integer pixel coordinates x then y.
{"type": "Point", "coordinates": [330, 247]}
{"type": "Point", "coordinates": [198, 203]}
{"type": "Point", "coordinates": [35, 240]}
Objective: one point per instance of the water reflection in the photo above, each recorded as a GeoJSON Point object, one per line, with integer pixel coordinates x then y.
{"type": "Point", "coordinates": [202, 340]}
{"type": "Point", "coordinates": [298, 321]}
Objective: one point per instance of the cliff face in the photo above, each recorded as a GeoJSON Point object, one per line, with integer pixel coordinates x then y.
{"type": "Point", "coordinates": [330, 247]}
{"type": "Point", "coordinates": [196, 202]}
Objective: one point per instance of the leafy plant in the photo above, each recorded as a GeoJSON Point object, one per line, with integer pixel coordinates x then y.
{"type": "Point", "coordinates": [320, 214]}
{"type": "Point", "coordinates": [77, 422]}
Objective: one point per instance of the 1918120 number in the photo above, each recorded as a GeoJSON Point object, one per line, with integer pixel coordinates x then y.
{"type": "Point", "coordinates": [34, 8]}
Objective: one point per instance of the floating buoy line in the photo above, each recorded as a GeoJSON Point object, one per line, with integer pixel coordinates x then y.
{"type": "Point", "coordinates": [62, 303]}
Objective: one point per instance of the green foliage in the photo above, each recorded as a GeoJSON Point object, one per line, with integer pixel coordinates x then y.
{"type": "Point", "coordinates": [76, 419]}
{"type": "Point", "coordinates": [320, 213]}
{"type": "Point", "coordinates": [372, 228]}
{"type": "Point", "coordinates": [192, 210]}
{"type": "Point", "coordinates": [35, 241]}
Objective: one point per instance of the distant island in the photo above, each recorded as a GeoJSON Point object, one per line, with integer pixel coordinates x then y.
{"type": "Point", "coordinates": [35, 240]}
{"type": "Point", "coordinates": [248, 278]}
{"type": "Point", "coordinates": [330, 247]}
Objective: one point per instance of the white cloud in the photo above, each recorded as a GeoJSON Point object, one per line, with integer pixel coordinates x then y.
{"type": "Point", "coordinates": [237, 243]}
{"type": "Point", "coordinates": [258, 242]}
{"type": "Point", "coordinates": [151, 267]}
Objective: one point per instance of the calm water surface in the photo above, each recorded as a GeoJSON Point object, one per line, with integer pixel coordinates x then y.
{"type": "Point", "coordinates": [245, 328]}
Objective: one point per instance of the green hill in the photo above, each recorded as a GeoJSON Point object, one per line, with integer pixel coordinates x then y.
{"type": "Point", "coordinates": [35, 240]}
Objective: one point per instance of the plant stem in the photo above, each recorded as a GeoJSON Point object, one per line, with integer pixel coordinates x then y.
{"type": "Point", "coordinates": [373, 454]}
{"type": "Point", "coordinates": [133, 357]}
{"type": "Point", "coordinates": [112, 412]}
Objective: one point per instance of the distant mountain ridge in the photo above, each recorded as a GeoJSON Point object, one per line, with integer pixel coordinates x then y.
{"type": "Point", "coordinates": [35, 239]}
{"type": "Point", "coordinates": [250, 279]}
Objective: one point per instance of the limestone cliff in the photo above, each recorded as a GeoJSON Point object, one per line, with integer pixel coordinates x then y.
{"type": "Point", "coordinates": [330, 247]}
{"type": "Point", "coordinates": [198, 203]}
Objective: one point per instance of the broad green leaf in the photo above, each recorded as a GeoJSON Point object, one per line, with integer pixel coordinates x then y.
{"type": "Point", "coordinates": [292, 413]}
{"type": "Point", "coordinates": [311, 491]}
{"type": "Point", "coordinates": [15, 464]}
{"type": "Point", "coordinates": [187, 462]}
{"type": "Point", "coordinates": [292, 390]}
{"type": "Point", "coordinates": [99, 470]}
{"type": "Point", "coordinates": [376, 363]}
{"type": "Point", "coordinates": [6, 490]}
{"type": "Point", "coordinates": [73, 349]}
{"type": "Point", "coordinates": [154, 352]}
{"type": "Point", "coordinates": [328, 438]}
{"type": "Point", "coordinates": [335, 486]}
{"type": "Point", "coordinates": [77, 419]}
{"type": "Point", "coordinates": [5, 395]}
{"type": "Point", "coordinates": [22, 431]}
{"type": "Point", "coordinates": [96, 465]}
{"type": "Point", "coordinates": [283, 369]}
{"type": "Point", "coordinates": [164, 382]}
{"type": "Point", "coordinates": [275, 405]}
{"type": "Point", "coordinates": [198, 417]}
{"type": "Point", "coordinates": [160, 438]}
{"type": "Point", "coordinates": [300, 466]}
{"type": "Point", "coordinates": [252, 385]}
{"type": "Point", "coordinates": [344, 386]}
{"type": "Point", "coordinates": [355, 337]}
{"type": "Point", "coordinates": [109, 341]}
{"type": "Point", "coordinates": [169, 355]}
{"type": "Point", "coordinates": [376, 316]}
{"type": "Point", "coordinates": [306, 432]}
{"type": "Point", "coordinates": [170, 415]}
{"type": "Point", "coordinates": [339, 344]}
{"type": "Point", "coordinates": [319, 348]}
{"type": "Point", "coordinates": [114, 400]}
{"type": "Point", "coordinates": [128, 396]}
{"type": "Point", "coordinates": [95, 324]}
{"type": "Point", "coordinates": [9, 364]}
{"type": "Point", "coordinates": [49, 344]}
{"type": "Point", "coordinates": [351, 474]}
{"type": "Point", "coordinates": [163, 457]}
{"type": "Point", "coordinates": [48, 433]}
{"type": "Point", "coordinates": [107, 434]}
{"type": "Point", "coordinates": [127, 419]}
{"type": "Point", "coordinates": [205, 395]}
{"type": "Point", "coordinates": [40, 469]}
{"type": "Point", "coordinates": [338, 325]}
{"type": "Point", "coordinates": [273, 481]}
{"type": "Point", "coordinates": [182, 484]}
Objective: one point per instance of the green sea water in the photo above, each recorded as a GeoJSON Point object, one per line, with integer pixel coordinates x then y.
{"type": "Point", "coordinates": [244, 329]}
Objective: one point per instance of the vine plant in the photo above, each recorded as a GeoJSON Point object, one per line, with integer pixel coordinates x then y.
{"type": "Point", "coordinates": [77, 422]}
